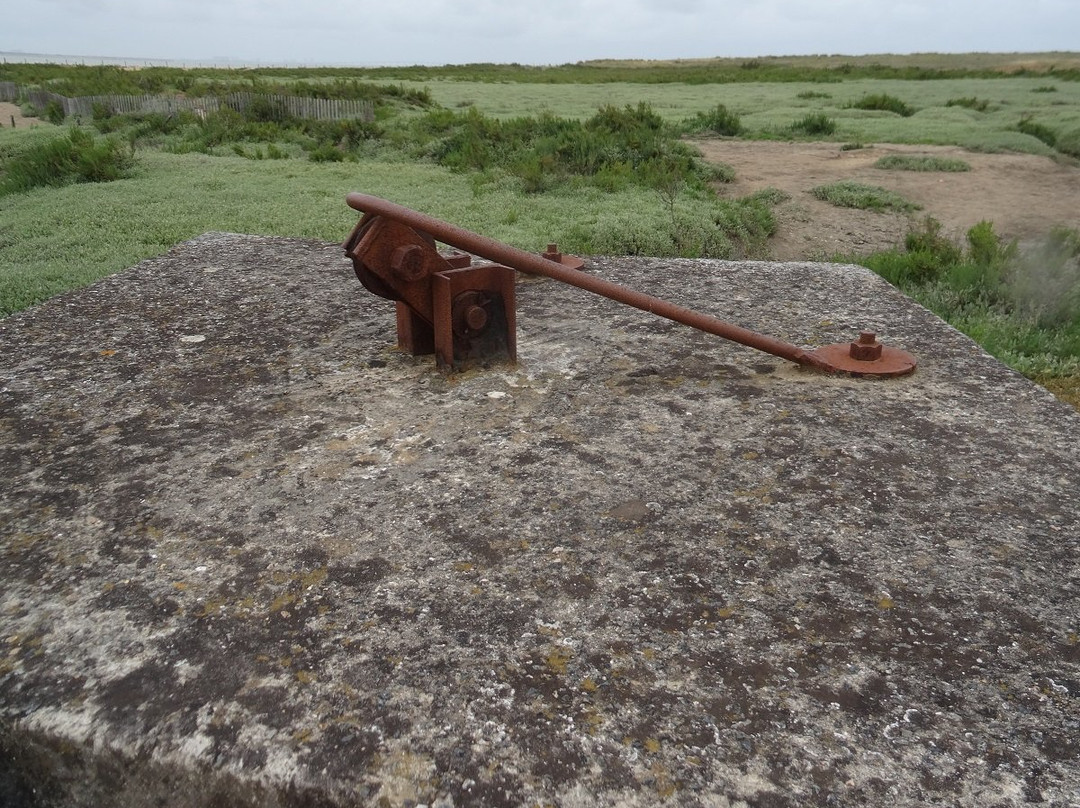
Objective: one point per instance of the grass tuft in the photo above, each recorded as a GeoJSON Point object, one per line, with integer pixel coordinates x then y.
{"type": "Point", "coordinates": [849, 194]}
{"type": "Point", "coordinates": [717, 121]}
{"type": "Point", "coordinates": [1023, 306]}
{"type": "Point", "coordinates": [1069, 143]}
{"type": "Point", "coordinates": [921, 162]}
{"type": "Point", "coordinates": [1037, 130]}
{"type": "Point", "coordinates": [75, 157]}
{"type": "Point", "coordinates": [884, 102]}
{"type": "Point", "coordinates": [816, 123]}
{"type": "Point", "coordinates": [977, 104]}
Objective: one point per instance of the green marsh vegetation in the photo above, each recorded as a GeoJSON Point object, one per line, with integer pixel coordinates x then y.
{"type": "Point", "coordinates": [915, 162]}
{"type": "Point", "coordinates": [1021, 303]}
{"type": "Point", "coordinates": [592, 155]}
{"type": "Point", "coordinates": [858, 195]}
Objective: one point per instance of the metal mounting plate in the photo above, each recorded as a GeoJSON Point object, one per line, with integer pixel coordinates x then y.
{"type": "Point", "coordinates": [892, 362]}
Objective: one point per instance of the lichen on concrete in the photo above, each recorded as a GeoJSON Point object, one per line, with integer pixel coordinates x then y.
{"type": "Point", "coordinates": [251, 554]}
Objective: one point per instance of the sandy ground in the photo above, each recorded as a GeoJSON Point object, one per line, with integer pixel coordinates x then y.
{"type": "Point", "coordinates": [11, 115]}
{"type": "Point", "coordinates": [1023, 195]}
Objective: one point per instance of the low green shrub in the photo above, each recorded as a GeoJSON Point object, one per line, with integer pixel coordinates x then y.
{"type": "Point", "coordinates": [1023, 306]}
{"type": "Point", "coordinates": [717, 172]}
{"type": "Point", "coordinates": [816, 123]}
{"type": "Point", "coordinates": [930, 259]}
{"type": "Point", "coordinates": [347, 133]}
{"type": "Point", "coordinates": [884, 102]}
{"type": "Point", "coordinates": [717, 121]}
{"type": "Point", "coordinates": [977, 104]}
{"type": "Point", "coordinates": [326, 153]}
{"type": "Point", "coordinates": [849, 194]}
{"type": "Point", "coordinates": [1069, 143]}
{"type": "Point", "coordinates": [921, 162]}
{"type": "Point", "coordinates": [769, 196]}
{"type": "Point", "coordinates": [614, 148]}
{"type": "Point", "coordinates": [74, 157]}
{"type": "Point", "coordinates": [264, 109]}
{"type": "Point", "coordinates": [54, 113]}
{"type": "Point", "coordinates": [926, 237]}
{"type": "Point", "coordinates": [1037, 130]}
{"type": "Point", "coordinates": [812, 94]}
{"type": "Point", "coordinates": [725, 228]}
{"type": "Point", "coordinates": [748, 222]}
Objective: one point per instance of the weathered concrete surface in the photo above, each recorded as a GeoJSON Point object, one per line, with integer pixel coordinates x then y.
{"type": "Point", "coordinates": [254, 556]}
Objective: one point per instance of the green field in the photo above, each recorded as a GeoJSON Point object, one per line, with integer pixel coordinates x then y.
{"type": "Point", "coordinates": [586, 155]}
{"type": "Point", "coordinates": [767, 108]}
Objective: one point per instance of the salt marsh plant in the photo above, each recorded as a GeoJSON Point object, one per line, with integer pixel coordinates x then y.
{"type": "Point", "coordinates": [922, 162]}
{"type": "Point", "coordinates": [816, 123]}
{"type": "Point", "coordinates": [885, 102]}
{"type": "Point", "coordinates": [849, 194]}
{"type": "Point", "coordinates": [76, 156]}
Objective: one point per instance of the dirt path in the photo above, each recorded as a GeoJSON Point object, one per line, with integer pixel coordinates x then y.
{"type": "Point", "coordinates": [11, 115]}
{"type": "Point", "coordinates": [1023, 195]}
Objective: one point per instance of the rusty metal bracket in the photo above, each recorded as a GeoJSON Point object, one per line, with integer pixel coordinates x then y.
{"type": "Point", "coordinates": [472, 315]}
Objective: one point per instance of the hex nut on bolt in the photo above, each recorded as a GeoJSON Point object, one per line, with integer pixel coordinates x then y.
{"type": "Point", "coordinates": [407, 263]}
{"type": "Point", "coordinates": [867, 348]}
{"type": "Point", "coordinates": [552, 253]}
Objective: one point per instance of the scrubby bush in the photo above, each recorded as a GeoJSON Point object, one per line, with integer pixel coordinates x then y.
{"type": "Point", "coordinates": [884, 102]}
{"type": "Point", "coordinates": [346, 134]}
{"type": "Point", "coordinates": [1069, 143]}
{"type": "Point", "coordinates": [929, 258]}
{"type": "Point", "coordinates": [265, 109]}
{"type": "Point", "coordinates": [921, 162]}
{"type": "Point", "coordinates": [614, 148]}
{"type": "Point", "coordinates": [1037, 130]}
{"type": "Point", "coordinates": [724, 228]}
{"type": "Point", "coordinates": [717, 121]}
{"type": "Point", "coordinates": [977, 104]}
{"type": "Point", "coordinates": [849, 194]}
{"type": "Point", "coordinates": [74, 157]}
{"type": "Point", "coordinates": [816, 123]}
{"type": "Point", "coordinates": [54, 113]}
{"type": "Point", "coordinates": [326, 153]}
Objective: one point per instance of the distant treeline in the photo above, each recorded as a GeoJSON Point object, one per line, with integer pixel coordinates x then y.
{"type": "Point", "coordinates": [359, 83]}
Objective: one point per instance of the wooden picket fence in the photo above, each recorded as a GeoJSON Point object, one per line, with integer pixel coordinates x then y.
{"type": "Point", "coordinates": [322, 109]}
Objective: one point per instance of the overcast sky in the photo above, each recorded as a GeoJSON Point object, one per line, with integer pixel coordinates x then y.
{"type": "Point", "coordinates": [538, 32]}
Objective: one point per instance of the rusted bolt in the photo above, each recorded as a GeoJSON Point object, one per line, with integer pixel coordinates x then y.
{"type": "Point", "coordinates": [407, 263]}
{"type": "Point", "coordinates": [476, 317]}
{"type": "Point", "coordinates": [867, 348]}
{"type": "Point", "coordinates": [470, 315]}
{"type": "Point", "coordinates": [552, 253]}
{"type": "Point", "coordinates": [566, 261]}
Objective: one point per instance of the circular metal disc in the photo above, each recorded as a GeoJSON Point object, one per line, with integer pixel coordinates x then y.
{"type": "Point", "coordinates": [893, 361]}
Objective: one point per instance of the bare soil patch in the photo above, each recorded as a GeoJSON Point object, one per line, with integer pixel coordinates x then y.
{"type": "Point", "coordinates": [1024, 195]}
{"type": "Point", "coordinates": [11, 115]}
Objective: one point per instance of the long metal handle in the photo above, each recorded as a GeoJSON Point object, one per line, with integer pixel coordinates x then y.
{"type": "Point", "coordinates": [537, 265]}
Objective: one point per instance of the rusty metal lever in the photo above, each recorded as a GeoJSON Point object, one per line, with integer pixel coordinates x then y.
{"type": "Point", "coordinates": [888, 361]}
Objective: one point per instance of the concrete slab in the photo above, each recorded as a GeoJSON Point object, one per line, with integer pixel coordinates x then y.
{"type": "Point", "coordinates": [252, 555]}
